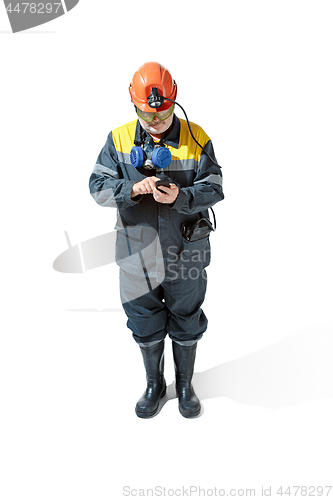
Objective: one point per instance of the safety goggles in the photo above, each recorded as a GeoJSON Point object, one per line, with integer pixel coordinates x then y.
{"type": "Point", "coordinates": [161, 115]}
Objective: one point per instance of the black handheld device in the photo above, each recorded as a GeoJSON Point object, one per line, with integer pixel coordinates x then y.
{"type": "Point", "coordinates": [199, 230]}
{"type": "Point", "coordinates": [162, 182]}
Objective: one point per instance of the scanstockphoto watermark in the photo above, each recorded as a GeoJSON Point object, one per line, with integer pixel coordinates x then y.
{"type": "Point", "coordinates": [198, 491]}
{"type": "Point", "coordinates": [189, 264]}
{"type": "Point", "coordinates": [183, 491]}
{"type": "Point", "coordinates": [143, 262]}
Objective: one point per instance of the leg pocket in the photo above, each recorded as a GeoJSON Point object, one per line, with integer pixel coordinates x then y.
{"type": "Point", "coordinates": [195, 254]}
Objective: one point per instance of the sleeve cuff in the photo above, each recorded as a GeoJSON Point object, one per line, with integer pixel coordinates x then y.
{"type": "Point", "coordinates": [127, 194]}
{"type": "Point", "coordinates": [180, 201]}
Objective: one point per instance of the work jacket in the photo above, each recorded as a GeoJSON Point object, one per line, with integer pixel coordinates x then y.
{"type": "Point", "coordinates": [139, 219]}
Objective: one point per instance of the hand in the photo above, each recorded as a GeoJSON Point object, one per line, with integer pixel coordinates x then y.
{"type": "Point", "coordinates": [169, 194]}
{"type": "Point", "coordinates": [146, 186]}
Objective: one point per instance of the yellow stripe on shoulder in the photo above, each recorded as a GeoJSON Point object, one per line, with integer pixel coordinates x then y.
{"type": "Point", "coordinates": [123, 137]}
{"type": "Point", "coordinates": [188, 149]}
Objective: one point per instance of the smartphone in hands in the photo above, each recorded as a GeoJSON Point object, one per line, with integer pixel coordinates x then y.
{"type": "Point", "coordinates": [162, 182]}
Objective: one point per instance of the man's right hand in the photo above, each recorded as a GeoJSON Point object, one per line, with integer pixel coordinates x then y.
{"type": "Point", "coordinates": [146, 186]}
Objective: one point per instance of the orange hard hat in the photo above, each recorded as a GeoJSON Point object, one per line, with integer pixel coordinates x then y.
{"type": "Point", "coordinates": [152, 75]}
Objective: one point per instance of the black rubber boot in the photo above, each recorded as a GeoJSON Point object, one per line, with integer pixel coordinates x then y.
{"type": "Point", "coordinates": [153, 358]}
{"type": "Point", "coordinates": [184, 357]}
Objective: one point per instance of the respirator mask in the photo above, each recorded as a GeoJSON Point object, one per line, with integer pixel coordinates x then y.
{"type": "Point", "coordinates": [150, 157]}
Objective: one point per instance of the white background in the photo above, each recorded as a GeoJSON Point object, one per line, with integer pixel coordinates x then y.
{"type": "Point", "coordinates": [257, 76]}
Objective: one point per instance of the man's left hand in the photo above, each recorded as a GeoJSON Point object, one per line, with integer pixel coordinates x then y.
{"type": "Point", "coordinates": [169, 194]}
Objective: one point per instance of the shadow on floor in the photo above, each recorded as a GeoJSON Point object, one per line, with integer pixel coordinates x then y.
{"type": "Point", "coordinates": [294, 370]}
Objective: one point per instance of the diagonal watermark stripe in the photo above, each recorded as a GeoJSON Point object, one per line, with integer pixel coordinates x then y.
{"type": "Point", "coordinates": [139, 253]}
{"type": "Point", "coordinates": [25, 15]}
{"type": "Point", "coordinates": [70, 4]}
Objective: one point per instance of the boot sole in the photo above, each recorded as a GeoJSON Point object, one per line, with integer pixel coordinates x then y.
{"type": "Point", "coordinates": [186, 414]}
{"type": "Point", "coordinates": [151, 414]}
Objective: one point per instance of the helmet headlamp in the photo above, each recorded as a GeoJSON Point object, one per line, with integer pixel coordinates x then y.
{"type": "Point", "coordinates": [155, 100]}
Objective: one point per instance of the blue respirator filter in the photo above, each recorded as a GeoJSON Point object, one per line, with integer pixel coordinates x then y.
{"type": "Point", "coordinates": [161, 157]}
{"type": "Point", "coordinates": [137, 156]}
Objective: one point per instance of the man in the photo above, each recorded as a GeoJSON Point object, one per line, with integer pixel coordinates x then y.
{"type": "Point", "coordinates": [125, 177]}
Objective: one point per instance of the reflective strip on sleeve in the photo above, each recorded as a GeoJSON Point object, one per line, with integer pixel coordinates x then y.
{"type": "Point", "coordinates": [213, 178]}
{"type": "Point", "coordinates": [105, 197]}
{"type": "Point", "coordinates": [102, 170]}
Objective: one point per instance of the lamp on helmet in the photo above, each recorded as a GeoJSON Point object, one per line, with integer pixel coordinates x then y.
{"type": "Point", "coordinates": [150, 84]}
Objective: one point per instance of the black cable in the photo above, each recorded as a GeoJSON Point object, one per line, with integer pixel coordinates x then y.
{"type": "Point", "coordinates": [203, 149]}
{"type": "Point", "coordinates": [155, 94]}
{"type": "Point", "coordinates": [189, 126]}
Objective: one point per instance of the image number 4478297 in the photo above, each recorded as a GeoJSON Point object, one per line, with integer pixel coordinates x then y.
{"type": "Point", "coordinates": [33, 8]}
{"type": "Point", "coordinates": [25, 15]}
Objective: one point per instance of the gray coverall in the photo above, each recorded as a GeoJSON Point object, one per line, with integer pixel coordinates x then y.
{"type": "Point", "coordinates": [172, 305]}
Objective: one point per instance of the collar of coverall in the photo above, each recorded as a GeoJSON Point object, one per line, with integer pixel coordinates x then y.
{"type": "Point", "coordinates": [170, 136]}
